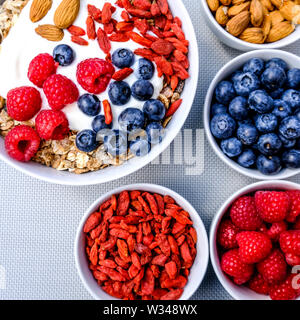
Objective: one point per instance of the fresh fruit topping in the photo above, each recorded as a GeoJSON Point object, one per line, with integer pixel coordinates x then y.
{"type": "Point", "coordinates": [119, 93]}
{"type": "Point", "coordinates": [225, 92]}
{"type": "Point", "coordinates": [52, 125]}
{"type": "Point", "coordinates": [247, 159]}
{"type": "Point", "coordinates": [227, 233]}
{"type": "Point", "coordinates": [292, 259]}
{"type": "Point", "coordinates": [140, 146]}
{"type": "Point", "coordinates": [115, 142]}
{"type": "Point", "coordinates": [142, 90]}
{"type": "Point", "coordinates": [22, 143]}
{"type": "Point", "coordinates": [89, 104]}
{"type": "Point", "coordinates": [290, 128]}
{"type": "Point", "coordinates": [131, 119]}
{"type": "Point", "coordinates": [154, 110]}
{"type": "Point", "coordinates": [122, 74]}
{"type": "Point", "coordinates": [107, 112]}
{"type": "Point", "coordinates": [63, 54]}
{"type": "Point", "coordinates": [294, 212]}
{"type": "Point", "coordinates": [245, 83]}
{"type": "Point", "coordinates": [23, 103]}
{"type": "Point", "coordinates": [145, 69]}
{"type": "Point", "coordinates": [259, 285]}
{"type": "Point", "coordinates": [222, 126]}
{"type": "Point", "coordinates": [232, 147]}
{"type": "Point", "coordinates": [269, 165]}
{"type": "Point", "coordinates": [284, 290]}
{"type": "Point", "coordinates": [86, 141]}
{"type": "Point", "coordinates": [155, 132]}
{"type": "Point", "coordinates": [60, 91]}
{"type": "Point", "coordinates": [276, 229]}
{"type": "Point", "coordinates": [123, 58]}
{"type": "Point", "coordinates": [290, 242]}
{"type": "Point", "coordinates": [99, 124]}
{"type": "Point", "coordinates": [41, 68]}
{"type": "Point", "coordinates": [94, 75]}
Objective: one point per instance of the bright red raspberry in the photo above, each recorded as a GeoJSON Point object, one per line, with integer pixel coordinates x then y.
{"type": "Point", "coordinates": [290, 242]}
{"type": "Point", "coordinates": [60, 91]}
{"type": "Point", "coordinates": [232, 265]}
{"type": "Point", "coordinates": [253, 246]}
{"type": "Point", "coordinates": [285, 290]}
{"type": "Point", "coordinates": [244, 215]}
{"type": "Point", "coordinates": [22, 143]}
{"type": "Point", "coordinates": [276, 229]}
{"type": "Point", "coordinates": [272, 206]}
{"type": "Point", "coordinates": [294, 212]}
{"type": "Point", "coordinates": [94, 75]}
{"type": "Point", "coordinates": [41, 68]}
{"type": "Point", "coordinates": [292, 259]}
{"type": "Point", "coordinates": [52, 125]}
{"type": "Point", "coordinates": [227, 234]}
{"type": "Point", "coordinates": [23, 103]}
{"type": "Point", "coordinates": [296, 225]}
{"type": "Point", "coordinates": [273, 268]}
{"type": "Point", "coordinates": [259, 284]}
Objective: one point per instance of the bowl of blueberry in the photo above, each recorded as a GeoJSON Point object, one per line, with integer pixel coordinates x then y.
{"type": "Point", "coordinates": [252, 114]}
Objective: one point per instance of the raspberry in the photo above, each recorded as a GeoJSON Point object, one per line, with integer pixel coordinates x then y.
{"type": "Point", "coordinates": [94, 75]}
{"type": "Point", "coordinates": [294, 212]}
{"type": "Point", "coordinates": [276, 229]}
{"type": "Point", "coordinates": [52, 125]}
{"type": "Point", "coordinates": [60, 91]}
{"type": "Point", "coordinates": [22, 143]}
{"type": "Point", "coordinates": [290, 242]}
{"type": "Point", "coordinates": [253, 246]}
{"type": "Point", "coordinates": [244, 215]}
{"type": "Point", "coordinates": [273, 268]}
{"type": "Point", "coordinates": [284, 290]}
{"type": "Point", "coordinates": [259, 284]}
{"type": "Point", "coordinates": [292, 259]}
{"type": "Point", "coordinates": [297, 224]}
{"type": "Point", "coordinates": [227, 235]}
{"type": "Point", "coordinates": [41, 68]}
{"type": "Point", "coordinates": [232, 265]}
{"type": "Point", "coordinates": [272, 206]}
{"type": "Point", "coordinates": [23, 103]}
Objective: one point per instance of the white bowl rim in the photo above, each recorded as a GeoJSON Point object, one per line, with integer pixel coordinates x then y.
{"type": "Point", "coordinates": [161, 190]}
{"type": "Point", "coordinates": [250, 46]}
{"type": "Point", "coordinates": [184, 113]}
{"type": "Point", "coordinates": [215, 261]}
{"type": "Point", "coordinates": [252, 173]}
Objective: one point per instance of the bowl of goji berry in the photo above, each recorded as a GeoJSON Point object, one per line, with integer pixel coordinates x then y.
{"type": "Point", "coordinates": [141, 242]}
{"type": "Point", "coordinates": [255, 242]}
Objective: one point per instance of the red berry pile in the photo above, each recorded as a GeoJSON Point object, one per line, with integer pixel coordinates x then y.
{"type": "Point", "coordinates": [259, 241]}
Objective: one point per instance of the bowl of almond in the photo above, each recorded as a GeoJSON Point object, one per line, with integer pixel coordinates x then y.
{"type": "Point", "coordinates": [255, 24]}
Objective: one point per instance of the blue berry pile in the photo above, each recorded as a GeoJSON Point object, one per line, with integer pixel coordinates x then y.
{"type": "Point", "coordinates": [255, 116]}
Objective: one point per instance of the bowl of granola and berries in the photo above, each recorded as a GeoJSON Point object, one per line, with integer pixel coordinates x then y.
{"type": "Point", "coordinates": [100, 89]}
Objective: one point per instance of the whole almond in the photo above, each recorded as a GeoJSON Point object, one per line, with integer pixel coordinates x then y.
{"type": "Point", "coordinates": [225, 2]}
{"type": "Point", "coordinates": [234, 2]}
{"type": "Point", "coordinates": [253, 35]}
{"type": "Point", "coordinates": [50, 32]}
{"type": "Point", "coordinates": [222, 16]}
{"type": "Point", "coordinates": [257, 14]}
{"type": "Point", "coordinates": [280, 31]}
{"type": "Point", "coordinates": [39, 8]}
{"type": "Point", "coordinates": [213, 5]}
{"type": "Point", "coordinates": [238, 23]}
{"type": "Point", "coordinates": [238, 8]}
{"type": "Point", "coordinates": [289, 10]}
{"type": "Point", "coordinates": [277, 3]}
{"type": "Point", "coordinates": [66, 13]}
{"type": "Point", "coordinates": [276, 17]}
{"type": "Point", "coordinates": [266, 26]}
{"type": "Point", "coordinates": [267, 4]}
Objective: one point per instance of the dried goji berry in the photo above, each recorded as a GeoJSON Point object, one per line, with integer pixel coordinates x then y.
{"type": "Point", "coordinates": [79, 40]}
{"type": "Point", "coordinates": [173, 244]}
{"type": "Point", "coordinates": [168, 34]}
{"type": "Point", "coordinates": [125, 16]}
{"type": "Point", "coordinates": [119, 37]}
{"type": "Point", "coordinates": [172, 295]}
{"type": "Point", "coordinates": [152, 202]}
{"type": "Point", "coordinates": [178, 31]}
{"type": "Point", "coordinates": [142, 25]}
{"type": "Point", "coordinates": [185, 253]}
{"type": "Point", "coordinates": [94, 12]}
{"type": "Point", "coordinates": [94, 254]}
{"type": "Point", "coordinates": [124, 26]}
{"type": "Point", "coordinates": [126, 4]}
{"type": "Point", "coordinates": [148, 282]}
{"type": "Point", "coordinates": [139, 39]}
{"type": "Point", "coordinates": [159, 260]}
{"type": "Point", "coordinates": [178, 282]}
{"type": "Point", "coordinates": [133, 271]}
{"type": "Point", "coordinates": [163, 6]}
{"type": "Point", "coordinates": [162, 47]}
{"type": "Point", "coordinates": [136, 260]}
{"type": "Point", "coordinates": [179, 45]}
{"type": "Point", "coordinates": [131, 243]}
{"type": "Point", "coordinates": [109, 244]}
{"type": "Point", "coordinates": [109, 28]}
{"type": "Point", "coordinates": [76, 31]}
{"type": "Point", "coordinates": [177, 227]}
{"type": "Point", "coordinates": [98, 275]}
{"type": "Point", "coordinates": [137, 205]}
{"type": "Point", "coordinates": [112, 274]}
{"type": "Point", "coordinates": [119, 233]}
{"type": "Point", "coordinates": [108, 263]}
{"type": "Point", "coordinates": [155, 11]}
{"type": "Point", "coordinates": [123, 203]}
{"type": "Point", "coordinates": [144, 204]}
{"type": "Point", "coordinates": [142, 4]}
{"type": "Point", "coordinates": [107, 113]}
{"type": "Point", "coordinates": [171, 269]}
{"type": "Point", "coordinates": [122, 74]}
{"type": "Point", "coordinates": [180, 240]}
{"type": "Point", "coordinates": [160, 22]}
{"type": "Point", "coordinates": [174, 82]}
{"type": "Point", "coordinates": [139, 13]}
{"type": "Point", "coordinates": [90, 28]}
{"type": "Point", "coordinates": [92, 222]}
{"type": "Point", "coordinates": [123, 250]}
{"type": "Point", "coordinates": [96, 232]}
{"type": "Point", "coordinates": [145, 53]}
{"type": "Point", "coordinates": [173, 108]}
{"type": "Point", "coordinates": [157, 32]}
{"type": "Point", "coordinates": [104, 42]}
{"type": "Point", "coordinates": [147, 240]}
{"type": "Point", "coordinates": [102, 254]}
{"type": "Point", "coordinates": [106, 12]}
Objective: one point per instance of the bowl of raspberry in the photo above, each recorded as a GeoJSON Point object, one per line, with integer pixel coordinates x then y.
{"type": "Point", "coordinates": [255, 242]}
{"type": "Point", "coordinates": [251, 114]}
{"type": "Point", "coordinates": [141, 242]}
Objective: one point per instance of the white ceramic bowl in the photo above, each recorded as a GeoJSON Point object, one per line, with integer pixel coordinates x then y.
{"type": "Point", "coordinates": [238, 44]}
{"type": "Point", "coordinates": [240, 292]}
{"type": "Point", "coordinates": [198, 269]}
{"type": "Point", "coordinates": [109, 174]}
{"type": "Point", "coordinates": [235, 64]}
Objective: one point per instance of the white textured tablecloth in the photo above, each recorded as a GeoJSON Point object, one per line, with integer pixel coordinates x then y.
{"type": "Point", "coordinates": [38, 221]}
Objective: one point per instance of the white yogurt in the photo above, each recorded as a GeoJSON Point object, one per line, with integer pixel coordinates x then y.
{"type": "Point", "coordinates": [23, 44]}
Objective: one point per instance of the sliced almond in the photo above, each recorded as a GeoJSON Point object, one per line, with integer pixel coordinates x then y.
{"type": "Point", "coordinates": [253, 35]}
{"type": "Point", "coordinates": [266, 26]}
{"type": "Point", "coordinates": [234, 10]}
{"type": "Point", "coordinates": [280, 31]}
{"type": "Point", "coordinates": [276, 17]}
{"type": "Point", "coordinates": [39, 8]}
{"type": "Point", "coordinates": [257, 14]}
{"type": "Point", "coordinates": [238, 23]}
{"type": "Point", "coordinates": [222, 15]}
{"type": "Point", "coordinates": [213, 5]}
{"type": "Point", "coordinates": [50, 32]}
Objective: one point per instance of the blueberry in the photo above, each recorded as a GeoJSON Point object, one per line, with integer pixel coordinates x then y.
{"type": "Point", "coordinates": [297, 114]}
{"type": "Point", "coordinates": [292, 98]}
{"type": "Point", "coordinates": [154, 110]}
{"type": "Point", "coordinates": [276, 94]}
{"type": "Point", "coordinates": [238, 108]}
{"type": "Point", "coordinates": [222, 126]}
{"type": "Point", "coordinates": [155, 132]}
{"type": "Point", "coordinates": [266, 122]}
{"type": "Point", "coordinates": [287, 143]}
{"type": "Point", "coordinates": [131, 119]}
{"type": "Point", "coordinates": [232, 147]}
{"type": "Point", "coordinates": [224, 92]}
{"type": "Point", "coordinates": [293, 78]}
{"type": "Point", "coordinates": [260, 101]}
{"type": "Point", "coordinates": [89, 104]}
{"type": "Point", "coordinates": [269, 144]}
{"type": "Point", "coordinates": [277, 62]}
{"type": "Point", "coordinates": [247, 134]}
{"type": "Point", "coordinates": [273, 78]}
{"type": "Point", "coordinates": [123, 58]}
{"type": "Point", "coordinates": [115, 142]}
{"type": "Point", "coordinates": [145, 69]}
{"type": "Point", "coordinates": [245, 83]}
{"type": "Point", "coordinates": [281, 109]}
{"type": "Point", "coordinates": [140, 147]}
{"type": "Point", "coordinates": [254, 65]}
{"type": "Point", "coordinates": [268, 165]}
{"type": "Point", "coordinates": [142, 90]}
{"type": "Point", "coordinates": [290, 128]}
{"type": "Point", "coordinates": [247, 159]}
{"type": "Point", "coordinates": [235, 75]}
{"type": "Point", "coordinates": [119, 93]}
{"type": "Point", "coordinates": [298, 144]}
{"type": "Point", "coordinates": [86, 141]}
{"type": "Point", "coordinates": [291, 158]}
{"type": "Point", "coordinates": [99, 124]}
{"type": "Point", "coordinates": [63, 54]}
{"type": "Point", "coordinates": [218, 108]}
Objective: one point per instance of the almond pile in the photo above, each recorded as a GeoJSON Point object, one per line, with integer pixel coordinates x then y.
{"type": "Point", "coordinates": [257, 21]}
